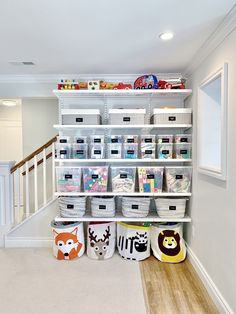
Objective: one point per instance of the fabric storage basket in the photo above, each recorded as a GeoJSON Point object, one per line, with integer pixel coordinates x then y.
{"type": "Point", "coordinates": [164, 151]}
{"type": "Point", "coordinates": [148, 138]}
{"type": "Point", "coordinates": [183, 138]}
{"type": "Point", "coordinates": [171, 207]}
{"type": "Point", "coordinates": [130, 151]}
{"type": "Point", "coordinates": [68, 179]}
{"type": "Point", "coordinates": [95, 179]}
{"type": "Point", "coordinates": [79, 151]}
{"type": "Point", "coordinates": [148, 150]}
{"type": "Point", "coordinates": [81, 116]}
{"type": "Point", "coordinates": [172, 116]}
{"type": "Point", "coordinates": [167, 242]}
{"type": "Point", "coordinates": [150, 179]}
{"type": "Point", "coordinates": [101, 240]}
{"type": "Point", "coordinates": [63, 151]}
{"type": "Point", "coordinates": [135, 206]}
{"type": "Point", "coordinates": [103, 206]}
{"type": "Point", "coordinates": [178, 179]}
{"type": "Point", "coordinates": [182, 150]}
{"type": "Point", "coordinates": [130, 139]}
{"type": "Point", "coordinates": [97, 151]}
{"type": "Point", "coordinates": [165, 139]}
{"type": "Point", "coordinates": [72, 206]}
{"type": "Point", "coordinates": [127, 116]}
{"type": "Point", "coordinates": [123, 179]}
{"type": "Point", "coordinates": [68, 240]}
{"type": "Point", "coordinates": [133, 241]}
{"type": "Point", "coordinates": [114, 150]}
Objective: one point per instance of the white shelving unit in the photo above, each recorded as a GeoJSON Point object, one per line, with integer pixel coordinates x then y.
{"type": "Point", "coordinates": [104, 100]}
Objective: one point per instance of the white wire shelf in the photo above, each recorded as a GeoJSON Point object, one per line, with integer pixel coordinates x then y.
{"type": "Point", "coordinates": [62, 127]}
{"type": "Point", "coordinates": [122, 161]}
{"type": "Point", "coordinates": [160, 194]}
{"type": "Point", "coordinates": [152, 217]}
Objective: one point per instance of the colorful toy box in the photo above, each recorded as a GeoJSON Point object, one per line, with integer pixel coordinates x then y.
{"type": "Point", "coordinates": [150, 179]}
{"type": "Point", "coordinates": [123, 179]}
{"type": "Point", "coordinates": [95, 179]}
{"type": "Point", "coordinates": [178, 179]}
{"type": "Point", "coordinates": [68, 179]}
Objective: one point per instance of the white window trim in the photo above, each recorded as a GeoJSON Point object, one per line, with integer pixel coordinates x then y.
{"type": "Point", "coordinates": [221, 173]}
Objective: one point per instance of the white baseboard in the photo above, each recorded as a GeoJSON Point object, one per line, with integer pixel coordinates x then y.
{"type": "Point", "coordinates": [23, 242]}
{"type": "Point", "coordinates": [213, 291]}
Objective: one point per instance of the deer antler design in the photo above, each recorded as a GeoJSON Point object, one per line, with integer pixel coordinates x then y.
{"type": "Point", "coordinates": [92, 237]}
{"type": "Point", "coordinates": [107, 234]}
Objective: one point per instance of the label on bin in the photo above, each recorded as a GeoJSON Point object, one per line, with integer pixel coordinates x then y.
{"type": "Point", "coordinates": [70, 206]}
{"type": "Point", "coordinates": [97, 140]}
{"type": "Point", "coordinates": [165, 140]}
{"type": "Point", "coordinates": [68, 176]}
{"type": "Point", "coordinates": [134, 206]}
{"type": "Point", "coordinates": [130, 140]}
{"type": "Point", "coordinates": [126, 119]}
{"type": "Point", "coordinates": [179, 176]}
{"type": "Point", "coordinates": [130, 152]}
{"type": "Point", "coordinates": [97, 152]}
{"type": "Point", "coordinates": [63, 140]}
{"type": "Point", "coordinates": [148, 152]}
{"type": "Point", "coordinates": [123, 175]}
{"type": "Point", "coordinates": [79, 120]}
{"type": "Point", "coordinates": [184, 140]}
{"type": "Point", "coordinates": [63, 152]}
{"type": "Point", "coordinates": [165, 152]}
{"type": "Point", "coordinates": [172, 207]}
{"type": "Point", "coordinates": [183, 151]}
{"type": "Point", "coordinates": [172, 118]}
{"type": "Point", "coordinates": [102, 207]}
{"type": "Point", "coordinates": [80, 141]}
{"type": "Point", "coordinates": [114, 152]}
{"type": "Point", "coordinates": [148, 140]}
{"type": "Point", "coordinates": [80, 152]}
{"type": "Point", "coordinates": [94, 176]}
{"type": "Point", "coordinates": [150, 176]}
{"type": "Point", "coordinates": [114, 140]}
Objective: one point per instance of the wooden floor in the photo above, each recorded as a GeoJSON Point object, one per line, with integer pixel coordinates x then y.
{"type": "Point", "coordinates": [174, 288]}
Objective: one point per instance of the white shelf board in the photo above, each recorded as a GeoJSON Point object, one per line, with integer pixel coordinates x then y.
{"type": "Point", "coordinates": [122, 161]}
{"type": "Point", "coordinates": [152, 217]}
{"type": "Point", "coordinates": [122, 126]}
{"type": "Point", "coordinates": [161, 194]}
{"type": "Point", "coordinates": [173, 93]}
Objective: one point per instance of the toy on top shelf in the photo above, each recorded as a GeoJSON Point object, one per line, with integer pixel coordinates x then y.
{"type": "Point", "coordinates": [68, 84]}
{"type": "Point", "coordinates": [146, 82]}
{"type": "Point", "coordinates": [122, 86]}
{"type": "Point", "coordinates": [93, 85]}
{"type": "Point", "coordinates": [109, 85]}
{"type": "Point", "coordinates": [171, 84]}
{"type": "Point", "coordinates": [83, 85]}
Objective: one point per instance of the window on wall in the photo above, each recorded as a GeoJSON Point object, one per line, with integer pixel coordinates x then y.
{"type": "Point", "coordinates": [212, 113]}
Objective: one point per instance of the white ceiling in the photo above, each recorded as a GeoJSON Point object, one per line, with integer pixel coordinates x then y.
{"type": "Point", "coordinates": [113, 37]}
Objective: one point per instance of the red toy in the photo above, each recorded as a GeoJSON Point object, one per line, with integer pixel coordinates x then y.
{"type": "Point", "coordinates": [166, 85]}
{"type": "Point", "coordinates": [146, 82]}
{"type": "Point", "coordinates": [122, 86]}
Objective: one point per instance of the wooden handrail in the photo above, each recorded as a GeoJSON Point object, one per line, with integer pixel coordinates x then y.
{"type": "Point", "coordinates": [36, 152]}
{"type": "Point", "coordinates": [38, 163]}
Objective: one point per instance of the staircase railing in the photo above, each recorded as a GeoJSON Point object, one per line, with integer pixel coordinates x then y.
{"type": "Point", "coordinates": [33, 181]}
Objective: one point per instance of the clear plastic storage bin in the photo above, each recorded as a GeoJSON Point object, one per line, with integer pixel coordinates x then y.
{"type": "Point", "coordinates": [183, 138]}
{"type": "Point", "coordinates": [80, 139]}
{"type": "Point", "coordinates": [148, 139]}
{"type": "Point", "coordinates": [114, 150]}
{"type": "Point", "coordinates": [81, 116]}
{"type": "Point", "coordinates": [172, 116]}
{"type": "Point", "coordinates": [63, 151]}
{"type": "Point", "coordinates": [150, 179]}
{"type": "Point", "coordinates": [165, 139]}
{"type": "Point", "coordinates": [178, 179]}
{"type": "Point", "coordinates": [130, 139]}
{"type": "Point", "coordinates": [95, 179]}
{"type": "Point", "coordinates": [79, 151]}
{"type": "Point", "coordinates": [97, 151]}
{"type": "Point", "coordinates": [97, 139]}
{"type": "Point", "coordinates": [68, 179]}
{"type": "Point", "coordinates": [148, 150]}
{"type": "Point", "coordinates": [115, 139]}
{"type": "Point", "coordinates": [182, 150]}
{"type": "Point", "coordinates": [123, 179]}
{"type": "Point", "coordinates": [164, 151]}
{"type": "Point", "coordinates": [130, 151]}
{"type": "Point", "coordinates": [63, 139]}
{"type": "Point", "coordinates": [127, 116]}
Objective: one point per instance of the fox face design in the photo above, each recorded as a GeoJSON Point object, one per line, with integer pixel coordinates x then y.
{"type": "Point", "coordinates": [67, 244]}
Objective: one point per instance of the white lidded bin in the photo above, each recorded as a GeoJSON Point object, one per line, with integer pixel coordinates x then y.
{"type": "Point", "coordinates": [68, 179]}
{"type": "Point", "coordinates": [135, 207]}
{"type": "Point", "coordinates": [63, 151]}
{"type": "Point", "coordinates": [172, 116]}
{"type": "Point", "coordinates": [68, 241]}
{"type": "Point", "coordinates": [103, 206]}
{"type": "Point", "coordinates": [182, 150]}
{"type": "Point", "coordinates": [123, 179]}
{"type": "Point", "coordinates": [81, 116]}
{"type": "Point", "coordinates": [171, 207]}
{"type": "Point", "coordinates": [101, 240]}
{"type": "Point", "coordinates": [178, 179]}
{"type": "Point", "coordinates": [127, 116]}
{"type": "Point", "coordinates": [70, 206]}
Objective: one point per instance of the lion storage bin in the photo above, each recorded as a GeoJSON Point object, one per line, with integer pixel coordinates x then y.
{"type": "Point", "coordinates": [167, 242]}
{"type": "Point", "coordinates": [81, 116]}
{"type": "Point", "coordinates": [178, 179]}
{"type": "Point", "coordinates": [101, 240]}
{"type": "Point", "coordinates": [68, 240]}
{"type": "Point", "coordinates": [133, 241]}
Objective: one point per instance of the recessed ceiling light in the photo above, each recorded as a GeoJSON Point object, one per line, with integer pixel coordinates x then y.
{"type": "Point", "coordinates": [9, 102]}
{"type": "Point", "coordinates": [22, 63]}
{"type": "Point", "coordinates": [166, 36]}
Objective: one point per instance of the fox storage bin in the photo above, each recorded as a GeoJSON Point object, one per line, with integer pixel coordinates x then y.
{"type": "Point", "coordinates": [133, 241]}
{"type": "Point", "coordinates": [68, 240]}
{"type": "Point", "coordinates": [101, 240]}
{"type": "Point", "coordinates": [167, 242]}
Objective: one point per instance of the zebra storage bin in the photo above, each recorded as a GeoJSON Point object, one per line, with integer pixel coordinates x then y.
{"type": "Point", "coordinates": [68, 240]}
{"type": "Point", "coordinates": [80, 116]}
{"type": "Point", "coordinates": [103, 206]}
{"type": "Point", "coordinates": [167, 242]}
{"type": "Point", "coordinates": [133, 241]}
{"type": "Point", "coordinates": [101, 240]}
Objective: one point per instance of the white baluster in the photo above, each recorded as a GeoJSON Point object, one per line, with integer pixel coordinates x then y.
{"type": "Point", "coordinates": [17, 186]}
{"type": "Point", "coordinates": [35, 183]}
{"type": "Point", "coordinates": [44, 177]}
{"type": "Point", "coordinates": [27, 206]}
{"type": "Point", "coordinates": [53, 171]}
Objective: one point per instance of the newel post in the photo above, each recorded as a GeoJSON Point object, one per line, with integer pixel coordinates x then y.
{"type": "Point", "coordinates": [6, 198]}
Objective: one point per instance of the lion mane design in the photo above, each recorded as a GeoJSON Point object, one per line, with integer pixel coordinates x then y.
{"type": "Point", "coordinates": [169, 245]}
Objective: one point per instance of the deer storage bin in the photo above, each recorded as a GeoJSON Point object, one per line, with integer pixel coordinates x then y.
{"type": "Point", "coordinates": [167, 242]}
{"type": "Point", "coordinates": [133, 241]}
{"type": "Point", "coordinates": [68, 240]}
{"type": "Point", "coordinates": [101, 240]}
